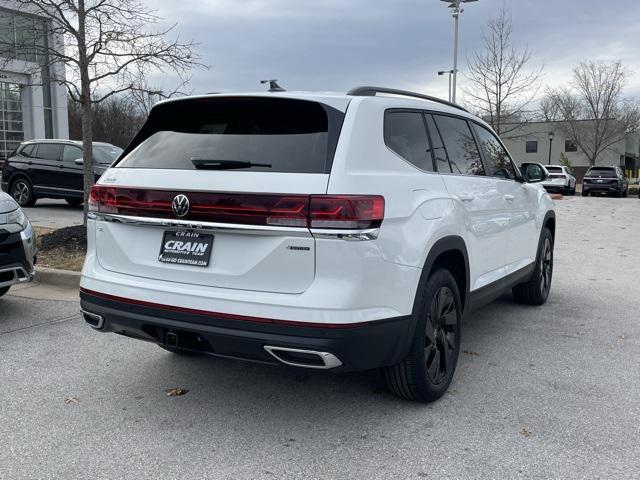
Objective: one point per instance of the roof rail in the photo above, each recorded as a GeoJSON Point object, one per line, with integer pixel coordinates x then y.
{"type": "Point", "coordinates": [372, 91]}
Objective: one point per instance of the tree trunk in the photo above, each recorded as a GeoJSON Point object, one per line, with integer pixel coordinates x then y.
{"type": "Point", "coordinates": [87, 150]}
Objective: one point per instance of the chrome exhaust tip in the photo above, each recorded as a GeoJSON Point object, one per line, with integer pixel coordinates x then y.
{"type": "Point", "coordinates": [93, 319]}
{"type": "Point", "coordinates": [296, 357]}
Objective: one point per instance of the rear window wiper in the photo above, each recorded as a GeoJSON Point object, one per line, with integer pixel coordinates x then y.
{"type": "Point", "coordinates": [205, 164]}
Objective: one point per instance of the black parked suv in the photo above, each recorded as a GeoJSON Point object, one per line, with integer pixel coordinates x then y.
{"type": "Point", "coordinates": [52, 169]}
{"type": "Point", "coordinates": [605, 180]}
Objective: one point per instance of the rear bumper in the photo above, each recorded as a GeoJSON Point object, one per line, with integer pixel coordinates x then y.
{"type": "Point", "coordinates": [359, 346]}
{"type": "Point", "coordinates": [597, 187]}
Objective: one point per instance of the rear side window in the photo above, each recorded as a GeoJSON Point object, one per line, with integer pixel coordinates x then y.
{"type": "Point", "coordinates": [462, 151]}
{"type": "Point", "coordinates": [406, 135]}
{"type": "Point", "coordinates": [240, 133]}
{"type": "Point", "coordinates": [71, 153]}
{"type": "Point", "coordinates": [49, 151]}
{"type": "Point", "coordinates": [439, 152]}
{"type": "Point", "coordinates": [495, 154]}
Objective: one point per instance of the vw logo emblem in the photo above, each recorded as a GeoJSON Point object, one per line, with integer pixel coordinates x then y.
{"type": "Point", "coordinates": [180, 205]}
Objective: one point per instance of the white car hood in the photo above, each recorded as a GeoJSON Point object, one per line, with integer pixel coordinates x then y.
{"type": "Point", "coordinates": [7, 204]}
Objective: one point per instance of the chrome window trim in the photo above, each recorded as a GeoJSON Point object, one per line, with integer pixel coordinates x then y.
{"type": "Point", "coordinates": [350, 235]}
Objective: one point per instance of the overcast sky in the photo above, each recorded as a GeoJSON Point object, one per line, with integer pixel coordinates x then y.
{"type": "Point", "coordinates": [337, 44]}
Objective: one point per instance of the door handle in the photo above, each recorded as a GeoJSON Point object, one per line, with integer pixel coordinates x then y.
{"type": "Point", "coordinates": [465, 197]}
{"type": "Point", "coordinates": [509, 198]}
{"type": "Point", "coordinates": [60, 166]}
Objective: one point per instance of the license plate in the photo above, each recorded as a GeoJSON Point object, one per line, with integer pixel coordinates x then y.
{"type": "Point", "coordinates": [599, 181]}
{"type": "Point", "coordinates": [186, 248]}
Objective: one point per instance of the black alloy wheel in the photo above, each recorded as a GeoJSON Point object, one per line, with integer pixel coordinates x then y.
{"type": "Point", "coordinates": [426, 372]}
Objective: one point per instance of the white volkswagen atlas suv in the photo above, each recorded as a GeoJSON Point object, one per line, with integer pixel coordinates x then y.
{"type": "Point", "coordinates": [320, 231]}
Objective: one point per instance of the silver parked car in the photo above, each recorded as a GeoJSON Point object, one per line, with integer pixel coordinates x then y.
{"type": "Point", "coordinates": [17, 245]}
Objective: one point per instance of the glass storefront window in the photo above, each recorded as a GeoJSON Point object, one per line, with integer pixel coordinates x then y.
{"type": "Point", "coordinates": [11, 124]}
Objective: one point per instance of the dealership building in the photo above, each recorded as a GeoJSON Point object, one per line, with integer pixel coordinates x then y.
{"type": "Point", "coordinates": [31, 106]}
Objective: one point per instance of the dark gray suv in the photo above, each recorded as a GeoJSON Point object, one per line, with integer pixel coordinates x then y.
{"type": "Point", "coordinates": [52, 169]}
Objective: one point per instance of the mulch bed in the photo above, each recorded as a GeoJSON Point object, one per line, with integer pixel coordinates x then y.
{"type": "Point", "coordinates": [64, 248]}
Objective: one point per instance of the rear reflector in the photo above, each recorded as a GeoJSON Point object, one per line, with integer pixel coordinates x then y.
{"type": "Point", "coordinates": [307, 211]}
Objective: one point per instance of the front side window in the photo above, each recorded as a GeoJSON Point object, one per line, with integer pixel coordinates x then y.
{"type": "Point", "coordinates": [71, 153]}
{"type": "Point", "coordinates": [461, 147]}
{"type": "Point", "coordinates": [406, 135]}
{"type": "Point", "coordinates": [495, 154]}
{"type": "Point", "coordinates": [27, 151]}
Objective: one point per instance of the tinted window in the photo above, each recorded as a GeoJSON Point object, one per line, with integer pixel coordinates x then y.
{"type": "Point", "coordinates": [462, 151]}
{"type": "Point", "coordinates": [495, 154]}
{"type": "Point", "coordinates": [49, 151]}
{"type": "Point", "coordinates": [532, 146]}
{"type": "Point", "coordinates": [288, 135]}
{"type": "Point", "coordinates": [405, 134]}
{"type": "Point", "coordinates": [71, 153]}
{"type": "Point", "coordinates": [570, 146]}
{"type": "Point", "coordinates": [601, 172]}
{"type": "Point", "coordinates": [439, 152]}
{"type": "Point", "coordinates": [554, 169]}
{"type": "Point", "coordinates": [27, 151]}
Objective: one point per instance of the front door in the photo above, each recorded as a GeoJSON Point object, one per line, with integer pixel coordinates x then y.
{"type": "Point", "coordinates": [73, 173]}
{"type": "Point", "coordinates": [521, 200]}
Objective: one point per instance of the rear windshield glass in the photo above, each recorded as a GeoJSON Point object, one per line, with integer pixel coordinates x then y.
{"type": "Point", "coordinates": [601, 172]}
{"type": "Point", "coordinates": [241, 134]}
{"type": "Point", "coordinates": [554, 169]}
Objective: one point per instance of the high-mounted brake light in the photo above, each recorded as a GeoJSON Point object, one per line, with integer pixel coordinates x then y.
{"type": "Point", "coordinates": [315, 211]}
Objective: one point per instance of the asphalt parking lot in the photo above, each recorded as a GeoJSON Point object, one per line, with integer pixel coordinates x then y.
{"type": "Point", "coordinates": [550, 392]}
{"type": "Point", "coordinates": [54, 214]}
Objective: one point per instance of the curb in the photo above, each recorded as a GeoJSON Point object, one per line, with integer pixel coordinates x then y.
{"type": "Point", "coordinates": [58, 278]}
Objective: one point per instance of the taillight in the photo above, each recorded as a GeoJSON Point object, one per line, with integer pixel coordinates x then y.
{"type": "Point", "coordinates": [346, 211]}
{"type": "Point", "coordinates": [315, 211]}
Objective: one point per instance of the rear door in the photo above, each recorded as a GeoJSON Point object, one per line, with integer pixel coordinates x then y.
{"type": "Point", "coordinates": [47, 168]}
{"type": "Point", "coordinates": [73, 173]}
{"type": "Point", "coordinates": [247, 166]}
{"type": "Point", "coordinates": [478, 197]}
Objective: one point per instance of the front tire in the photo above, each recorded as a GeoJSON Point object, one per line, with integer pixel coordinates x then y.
{"type": "Point", "coordinates": [585, 193]}
{"type": "Point", "coordinates": [4, 290]}
{"type": "Point", "coordinates": [426, 372]}
{"type": "Point", "coordinates": [22, 192]}
{"type": "Point", "coordinates": [536, 290]}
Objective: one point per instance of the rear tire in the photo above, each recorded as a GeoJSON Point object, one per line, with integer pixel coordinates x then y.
{"type": "Point", "coordinates": [74, 202]}
{"type": "Point", "coordinates": [585, 193]}
{"type": "Point", "coordinates": [426, 372]}
{"type": "Point", "coordinates": [4, 290]}
{"type": "Point", "coordinates": [535, 291]}
{"type": "Point", "coordinates": [22, 192]}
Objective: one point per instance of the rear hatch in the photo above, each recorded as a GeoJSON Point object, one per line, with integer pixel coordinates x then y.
{"type": "Point", "coordinates": [215, 191]}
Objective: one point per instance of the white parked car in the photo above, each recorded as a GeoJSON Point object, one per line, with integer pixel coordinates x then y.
{"type": "Point", "coordinates": [17, 245]}
{"type": "Point", "coordinates": [560, 180]}
{"type": "Point", "coordinates": [320, 231]}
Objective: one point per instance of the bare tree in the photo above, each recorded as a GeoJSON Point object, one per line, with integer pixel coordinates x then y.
{"type": "Point", "coordinates": [105, 46]}
{"type": "Point", "coordinates": [592, 110]}
{"type": "Point", "coordinates": [501, 86]}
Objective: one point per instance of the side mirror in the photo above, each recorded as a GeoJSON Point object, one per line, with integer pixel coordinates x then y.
{"type": "Point", "coordinates": [534, 172]}
{"type": "Point", "coordinates": [78, 161]}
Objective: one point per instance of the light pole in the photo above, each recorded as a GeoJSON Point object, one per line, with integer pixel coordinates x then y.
{"type": "Point", "coordinates": [551, 135]}
{"type": "Point", "coordinates": [449, 72]}
{"type": "Point", "coordinates": [457, 10]}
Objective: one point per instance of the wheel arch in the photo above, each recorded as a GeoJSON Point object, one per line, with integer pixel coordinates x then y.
{"type": "Point", "coordinates": [451, 253]}
{"type": "Point", "coordinates": [550, 223]}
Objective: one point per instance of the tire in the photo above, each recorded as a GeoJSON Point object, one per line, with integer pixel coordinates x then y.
{"type": "Point", "coordinates": [585, 193]}
{"type": "Point", "coordinates": [535, 291]}
{"type": "Point", "coordinates": [4, 290]}
{"type": "Point", "coordinates": [625, 193]}
{"type": "Point", "coordinates": [177, 351]}
{"type": "Point", "coordinates": [74, 202]}
{"type": "Point", "coordinates": [22, 192]}
{"type": "Point", "coordinates": [421, 376]}
{"type": "Point", "coordinates": [572, 192]}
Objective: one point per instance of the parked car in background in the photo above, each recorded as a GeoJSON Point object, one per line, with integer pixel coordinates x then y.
{"type": "Point", "coordinates": [52, 169]}
{"type": "Point", "coordinates": [560, 180]}
{"type": "Point", "coordinates": [17, 245]}
{"type": "Point", "coordinates": [318, 231]}
{"type": "Point", "coordinates": [605, 180]}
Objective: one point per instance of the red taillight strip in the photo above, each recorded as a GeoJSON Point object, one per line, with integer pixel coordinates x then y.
{"type": "Point", "coordinates": [225, 316]}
